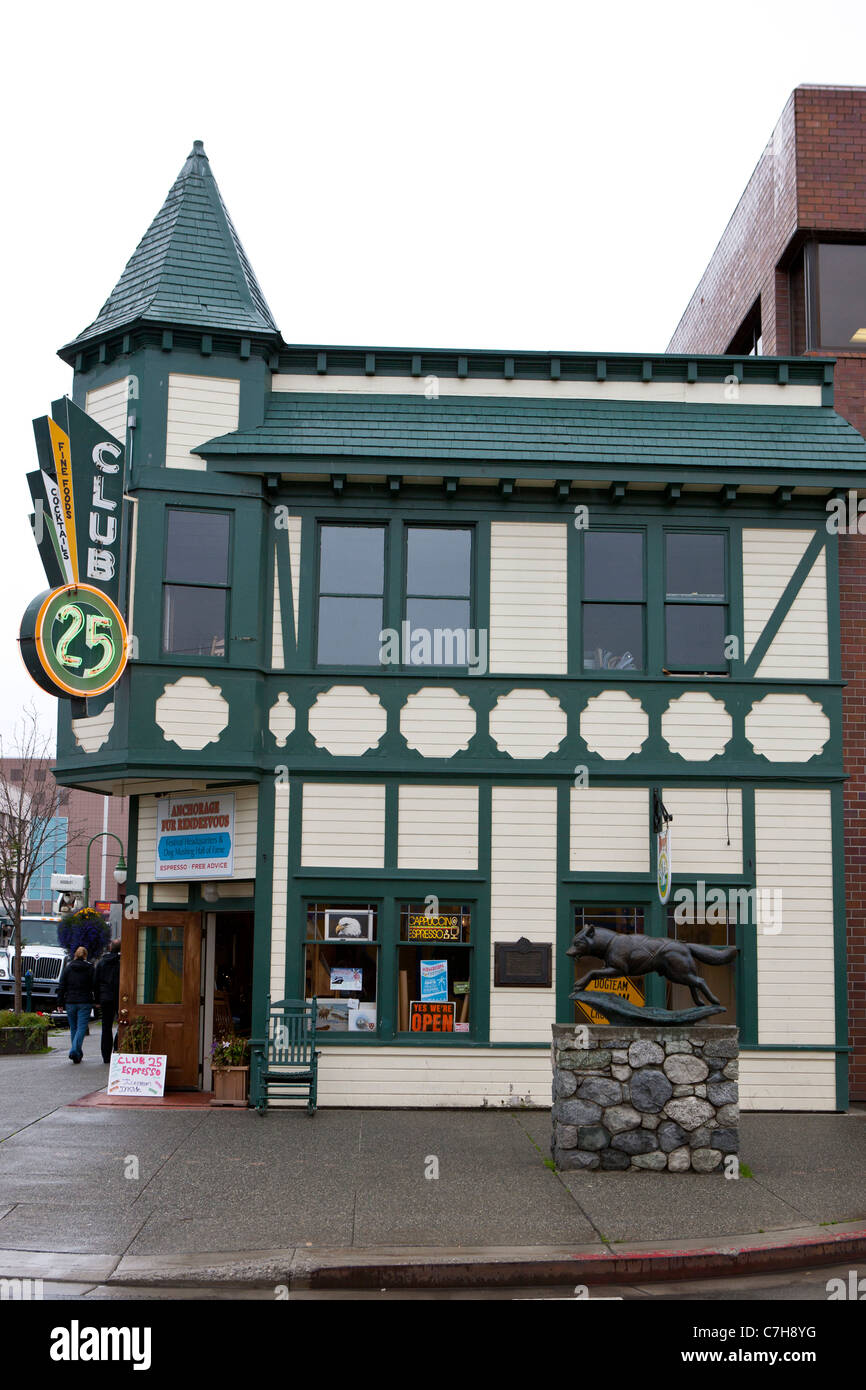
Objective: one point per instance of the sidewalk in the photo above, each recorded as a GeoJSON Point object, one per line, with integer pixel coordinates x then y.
{"type": "Point", "coordinates": [199, 1196]}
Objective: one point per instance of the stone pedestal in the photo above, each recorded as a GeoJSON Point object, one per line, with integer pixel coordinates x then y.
{"type": "Point", "coordinates": [646, 1098]}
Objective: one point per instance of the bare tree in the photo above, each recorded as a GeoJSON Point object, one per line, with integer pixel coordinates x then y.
{"type": "Point", "coordinates": [29, 803]}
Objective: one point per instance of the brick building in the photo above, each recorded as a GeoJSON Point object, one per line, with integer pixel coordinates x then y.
{"type": "Point", "coordinates": [788, 277]}
{"type": "Point", "coordinates": [80, 816]}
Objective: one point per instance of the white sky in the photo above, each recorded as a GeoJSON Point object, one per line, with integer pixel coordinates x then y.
{"type": "Point", "coordinates": [476, 174]}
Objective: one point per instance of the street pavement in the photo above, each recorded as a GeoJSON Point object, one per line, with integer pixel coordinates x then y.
{"type": "Point", "coordinates": [113, 1191]}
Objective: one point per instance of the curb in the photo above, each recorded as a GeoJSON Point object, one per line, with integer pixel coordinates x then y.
{"type": "Point", "coordinates": [307, 1268]}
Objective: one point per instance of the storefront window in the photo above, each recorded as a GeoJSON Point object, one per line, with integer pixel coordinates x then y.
{"type": "Point", "coordinates": [608, 917]}
{"type": "Point", "coordinates": [613, 607]}
{"type": "Point", "coordinates": [351, 590]}
{"type": "Point", "coordinates": [434, 957]}
{"type": "Point", "coordinates": [696, 613]}
{"type": "Point", "coordinates": [721, 980]}
{"type": "Point", "coordinates": [195, 592]}
{"type": "Point", "coordinates": [341, 965]}
{"type": "Point", "coordinates": [438, 588]}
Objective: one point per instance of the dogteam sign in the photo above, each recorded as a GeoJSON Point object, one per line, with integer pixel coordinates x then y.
{"type": "Point", "coordinates": [73, 636]}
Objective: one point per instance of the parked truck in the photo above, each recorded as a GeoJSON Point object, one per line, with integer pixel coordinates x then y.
{"type": "Point", "coordinates": [40, 953]}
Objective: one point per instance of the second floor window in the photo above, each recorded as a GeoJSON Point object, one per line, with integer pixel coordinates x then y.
{"type": "Point", "coordinates": [351, 595]}
{"type": "Point", "coordinates": [195, 590]}
{"type": "Point", "coordinates": [696, 611]}
{"type": "Point", "coordinates": [359, 622]}
{"type": "Point", "coordinates": [614, 601]}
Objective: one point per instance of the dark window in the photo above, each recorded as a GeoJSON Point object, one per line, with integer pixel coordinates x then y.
{"type": "Point", "coordinates": [195, 592]}
{"type": "Point", "coordinates": [747, 341]}
{"type": "Point", "coordinates": [438, 590]}
{"type": "Point", "coordinates": [351, 589]}
{"type": "Point", "coordinates": [842, 296]}
{"type": "Point", "coordinates": [695, 601]}
{"type": "Point", "coordinates": [720, 979]}
{"type": "Point", "coordinates": [628, 919]}
{"type": "Point", "coordinates": [613, 607]}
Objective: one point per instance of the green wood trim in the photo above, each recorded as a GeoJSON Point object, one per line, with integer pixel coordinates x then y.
{"type": "Point", "coordinates": [783, 607]}
{"type": "Point", "coordinates": [834, 633]}
{"type": "Point", "coordinates": [263, 905]}
{"type": "Point", "coordinates": [281, 555]}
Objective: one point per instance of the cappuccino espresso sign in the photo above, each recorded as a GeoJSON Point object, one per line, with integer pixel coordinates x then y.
{"type": "Point", "coordinates": [73, 637]}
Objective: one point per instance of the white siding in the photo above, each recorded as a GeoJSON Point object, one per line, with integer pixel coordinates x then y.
{"type": "Point", "coordinates": [433, 1077]}
{"type": "Point", "coordinates": [91, 731]}
{"type": "Point", "coordinates": [109, 406]}
{"type": "Point", "coordinates": [610, 829]}
{"type": "Point", "coordinates": [295, 566]}
{"type": "Point", "coordinates": [437, 721]}
{"type": "Point", "coordinates": [347, 720]}
{"type": "Point", "coordinates": [438, 827]}
{"type": "Point", "coordinates": [528, 597]}
{"type": "Point", "coordinates": [614, 724]}
{"type": "Point", "coordinates": [787, 728]}
{"type": "Point", "coordinates": [528, 723]}
{"type": "Point", "coordinates": [169, 893]}
{"type": "Point", "coordinates": [343, 825]}
{"type": "Point", "coordinates": [794, 861]}
{"type": "Point", "coordinates": [191, 712]}
{"type": "Point", "coordinates": [799, 650]}
{"type": "Point", "coordinates": [246, 818]}
{"type": "Point", "coordinates": [279, 891]}
{"type": "Point", "coordinates": [199, 408]}
{"type": "Point", "coordinates": [278, 660]}
{"type": "Point", "coordinates": [696, 726]}
{"type": "Point", "coordinates": [787, 1081]}
{"type": "Point", "coordinates": [694, 393]}
{"type": "Point", "coordinates": [523, 903]}
{"type": "Point", "coordinates": [705, 818]}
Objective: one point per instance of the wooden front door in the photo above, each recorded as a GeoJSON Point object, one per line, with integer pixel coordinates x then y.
{"type": "Point", "coordinates": [160, 980]}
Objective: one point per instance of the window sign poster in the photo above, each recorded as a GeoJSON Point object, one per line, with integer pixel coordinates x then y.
{"type": "Point", "coordinates": [135, 1074]}
{"type": "Point", "coordinates": [195, 836]}
{"type": "Point", "coordinates": [434, 979]}
{"type": "Point", "coordinates": [346, 977]}
{"type": "Point", "coordinates": [431, 1016]}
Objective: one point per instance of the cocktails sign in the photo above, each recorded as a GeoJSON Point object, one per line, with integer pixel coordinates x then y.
{"type": "Point", "coordinates": [73, 637]}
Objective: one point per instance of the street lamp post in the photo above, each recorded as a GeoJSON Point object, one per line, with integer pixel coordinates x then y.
{"type": "Point", "coordinates": [120, 868]}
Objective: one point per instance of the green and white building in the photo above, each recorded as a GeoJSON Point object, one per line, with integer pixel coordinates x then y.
{"type": "Point", "coordinates": [619, 583]}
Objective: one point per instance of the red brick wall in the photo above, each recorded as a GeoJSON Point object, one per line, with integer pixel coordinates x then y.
{"type": "Point", "coordinates": [744, 262]}
{"type": "Point", "coordinates": [831, 153]}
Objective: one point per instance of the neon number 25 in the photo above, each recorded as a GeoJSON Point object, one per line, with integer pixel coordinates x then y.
{"type": "Point", "coordinates": [92, 636]}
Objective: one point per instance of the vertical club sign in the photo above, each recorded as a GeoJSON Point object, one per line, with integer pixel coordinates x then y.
{"type": "Point", "coordinates": [73, 637]}
{"type": "Point", "coordinates": [662, 831]}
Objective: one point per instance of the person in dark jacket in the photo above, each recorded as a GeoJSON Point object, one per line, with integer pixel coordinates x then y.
{"type": "Point", "coordinates": [75, 995]}
{"type": "Point", "coordinates": [106, 989]}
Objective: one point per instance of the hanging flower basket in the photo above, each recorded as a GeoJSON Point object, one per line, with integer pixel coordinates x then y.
{"type": "Point", "coordinates": [86, 928]}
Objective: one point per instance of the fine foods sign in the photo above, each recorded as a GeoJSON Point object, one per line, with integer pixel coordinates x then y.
{"type": "Point", "coordinates": [195, 837]}
{"type": "Point", "coordinates": [73, 637]}
{"type": "Point", "coordinates": [423, 928]}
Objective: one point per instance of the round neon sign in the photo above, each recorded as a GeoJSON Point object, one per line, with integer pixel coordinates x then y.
{"type": "Point", "coordinates": [74, 641]}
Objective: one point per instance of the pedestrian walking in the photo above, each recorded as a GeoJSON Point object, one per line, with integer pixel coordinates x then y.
{"type": "Point", "coordinates": [75, 995]}
{"type": "Point", "coordinates": [106, 990]}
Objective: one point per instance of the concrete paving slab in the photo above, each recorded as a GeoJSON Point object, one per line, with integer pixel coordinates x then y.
{"type": "Point", "coordinates": [37, 1264]}
{"type": "Point", "coordinates": [660, 1206]}
{"type": "Point", "coordinates": [70, 1228]}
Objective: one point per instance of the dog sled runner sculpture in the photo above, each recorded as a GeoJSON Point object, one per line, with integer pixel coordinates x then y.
{"type": "Point", "coordinates": [636, 954]}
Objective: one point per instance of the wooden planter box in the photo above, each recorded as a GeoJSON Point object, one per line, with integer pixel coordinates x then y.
{"type": "Point", "coordinates": [17, 1040]}
{"type": "Point", "coordinates": [230, 1085]}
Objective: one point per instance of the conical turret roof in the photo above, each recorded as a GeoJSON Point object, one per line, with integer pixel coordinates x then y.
{"type": "Point", "coordinates": [189, 269]}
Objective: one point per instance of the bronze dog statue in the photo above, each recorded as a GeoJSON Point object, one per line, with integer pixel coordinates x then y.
{"type": "Point", "coordinates": [636, 954]}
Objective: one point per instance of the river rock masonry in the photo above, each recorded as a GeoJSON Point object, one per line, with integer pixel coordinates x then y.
{"type": "Point", "coordinates": [657, 1099]}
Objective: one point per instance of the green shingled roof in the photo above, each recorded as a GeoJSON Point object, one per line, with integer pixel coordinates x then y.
{"type": "Point", "coordinates": [189, 267]}
{"type": "Point", "coordinates": [575, 432]}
